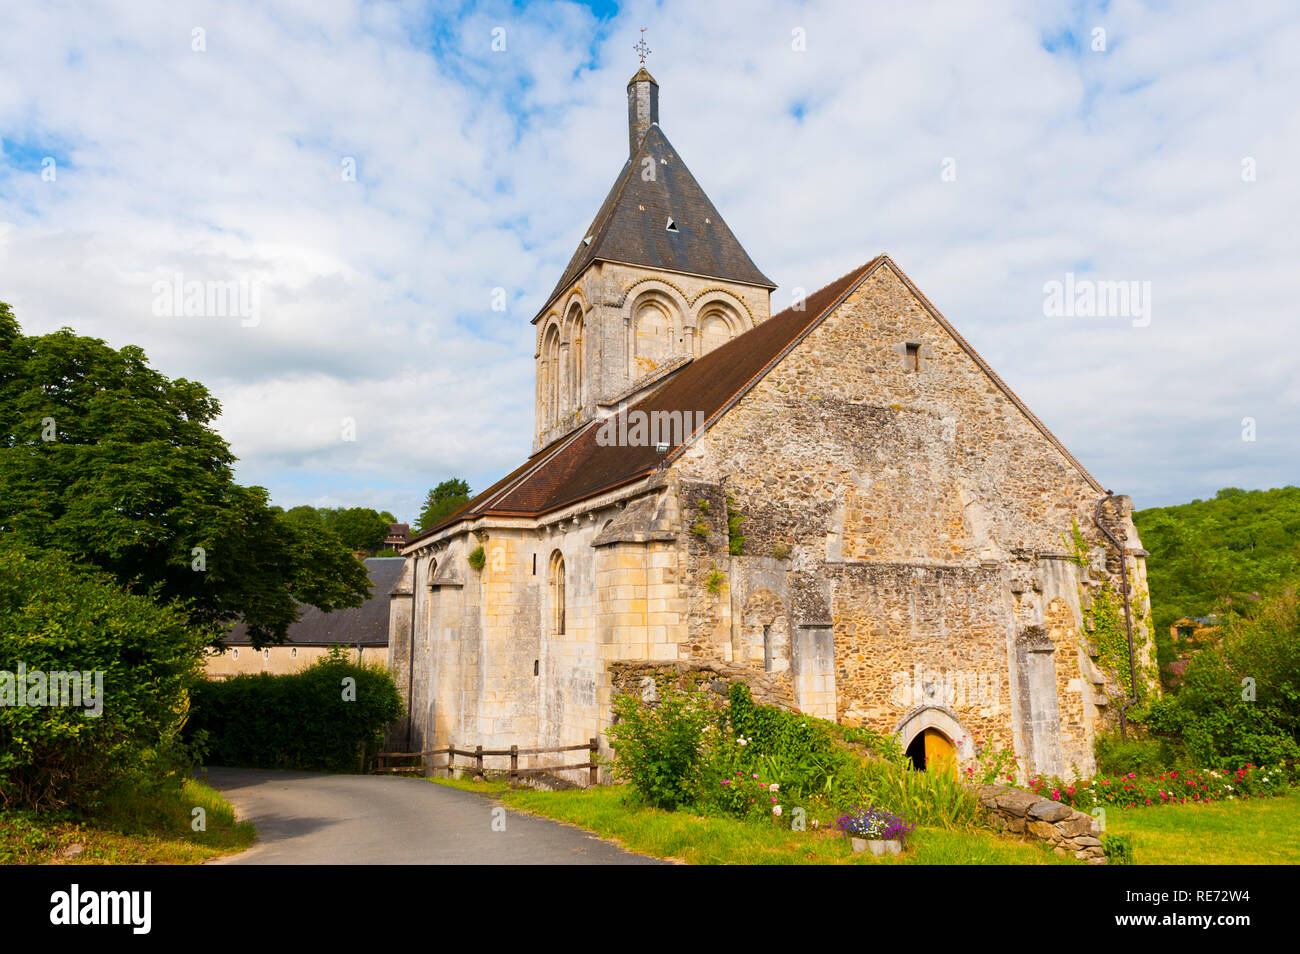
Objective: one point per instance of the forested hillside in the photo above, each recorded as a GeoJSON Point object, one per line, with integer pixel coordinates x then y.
{"type": "Point", "coordinates": [1210, 555]}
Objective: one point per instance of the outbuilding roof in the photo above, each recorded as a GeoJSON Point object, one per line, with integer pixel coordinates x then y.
{"type": "Point", "coordinates": [366, 624]}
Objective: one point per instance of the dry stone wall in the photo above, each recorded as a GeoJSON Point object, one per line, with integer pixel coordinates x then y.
{"type": "Point", "coordinates": [1067, 830]}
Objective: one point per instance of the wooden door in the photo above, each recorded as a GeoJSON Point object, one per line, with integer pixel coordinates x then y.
{"type": "Point", "coordinates": [938, 749]}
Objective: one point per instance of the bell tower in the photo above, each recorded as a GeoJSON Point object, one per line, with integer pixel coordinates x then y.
{"type": "Point", "coordinates": [657, 280]}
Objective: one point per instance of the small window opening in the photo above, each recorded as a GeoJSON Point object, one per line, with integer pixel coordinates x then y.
{"type": "Point", "coordinates": [534, 564]}
{"type": "Point", "coordinates": [672, 226]}
{"type": "Point", "coordinates": [293, 653]}
{"type": "Point", "coordinates": [266, 654]}
{"type": "Point", "coordinates": [536, 667]}
{"type": "Point", "coordinates": [912, 362]}
{"type": "Point", "coordinates": [236, 654]}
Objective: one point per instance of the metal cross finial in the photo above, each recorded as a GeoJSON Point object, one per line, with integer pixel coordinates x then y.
{"type": "Point", "coordinates": [641, 47]}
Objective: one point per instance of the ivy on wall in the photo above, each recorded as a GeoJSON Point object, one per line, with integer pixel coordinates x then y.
{"type": "Point", "coordinates": [1105, 620]}
{"type": "Point", "coordinates": [735, 540]}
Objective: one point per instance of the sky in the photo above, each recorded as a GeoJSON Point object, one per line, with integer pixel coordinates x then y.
{"type": "Point", "coordinates": [365, 175]}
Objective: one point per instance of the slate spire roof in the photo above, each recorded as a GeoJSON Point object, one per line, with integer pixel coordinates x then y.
{"type": "Point", "coordinates": [633, 224]}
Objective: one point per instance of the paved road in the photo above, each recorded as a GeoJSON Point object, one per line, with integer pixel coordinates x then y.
{"type": "Point", "coordinates": [308, 818]}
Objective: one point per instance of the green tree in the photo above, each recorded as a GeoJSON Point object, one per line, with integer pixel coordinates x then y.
{"type": "Point", "coordinates": [360, 528]}
{"type": "Point", "coordinates": [110, 461]}
{"type": "Point", "coordinates": [442, 501]}
{"type": "Point", "coordinates": [60, 618]}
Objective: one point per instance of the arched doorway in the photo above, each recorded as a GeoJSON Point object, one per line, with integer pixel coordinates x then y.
{"type": "Point", "coordinates": [931, 749]}
{"type": "Point", "coordinates": [938, 728]}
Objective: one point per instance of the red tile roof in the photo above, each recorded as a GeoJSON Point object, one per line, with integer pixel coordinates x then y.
{"type": "Point", "coordinates": [579, 466]}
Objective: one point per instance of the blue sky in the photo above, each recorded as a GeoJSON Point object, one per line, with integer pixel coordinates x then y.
{"type": "Point", "coordinates": [479, 167]}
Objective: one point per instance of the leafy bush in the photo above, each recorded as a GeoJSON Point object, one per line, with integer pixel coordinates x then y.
{"type": "Point", "coordinates": [1118, 849]}
{"type": "Point", "coordinates": [1115, 756]}
{"type": "Point", "coordinates": [57, 617]}
{"type": "Point", "coordinates": [1240, 700]}
{"type": "Point", "coordinates": [742, 794]}
{"type": "Point", "coordinates": [748, 760]}
{"type": "Point", "coordinates": [477, 558]}
{"type": "Point", "coordinates": [883, 746]}
{"type": "Point", "coordinates": [313, 719]}
{"type": "Point", "coordinates": [658, 749]}
{"type": "Point", "coordinates": [793, 749]}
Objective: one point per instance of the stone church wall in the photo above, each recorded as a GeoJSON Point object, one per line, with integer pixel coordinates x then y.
{"type": "Point", "coordinates": [906, 564]}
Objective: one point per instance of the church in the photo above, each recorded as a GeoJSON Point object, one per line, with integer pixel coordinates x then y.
{"type": "Point", "coordinates": [841, 504]}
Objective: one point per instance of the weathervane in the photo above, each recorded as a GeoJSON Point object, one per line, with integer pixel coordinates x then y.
{"type": "Point", "coordinates": [641, 47]}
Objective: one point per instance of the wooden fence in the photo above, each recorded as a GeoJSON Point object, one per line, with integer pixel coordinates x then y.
{"type": "Point", "coordinates": [478, 754]}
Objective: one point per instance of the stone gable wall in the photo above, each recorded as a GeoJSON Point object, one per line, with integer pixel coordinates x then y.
{"type": "Point", "coordinates": [921, 515]}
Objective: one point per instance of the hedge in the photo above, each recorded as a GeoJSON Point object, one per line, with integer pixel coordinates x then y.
{"type": "Point", "coordinates": [313, 719]}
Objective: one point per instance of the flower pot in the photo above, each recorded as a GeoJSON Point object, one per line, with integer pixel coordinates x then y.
{"type": "Point", "coordinates": [877, 846]}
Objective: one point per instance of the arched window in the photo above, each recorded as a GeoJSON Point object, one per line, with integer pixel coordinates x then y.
{"type": "Point", "coordinates": [577, 393]}
{"type": "Point", "coordinates": [433, 594]}
{"type": "Point", "coordinates": [551, 376]}
{"type": "Point", "coordinates": [715, 330]}
{"type": "Point", "coordinates": [557, 593]}
{"type": "Point", "coordinates": [652, 344]}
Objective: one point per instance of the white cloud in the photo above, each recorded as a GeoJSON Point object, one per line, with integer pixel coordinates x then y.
{"type": "Point", "coordinates": [479, 169]}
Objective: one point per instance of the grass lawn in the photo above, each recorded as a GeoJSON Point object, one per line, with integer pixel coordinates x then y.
{"type": "Point", "coordinates": [129, 831]}
{"type": "Point", "coordinates": [1259, 831]}
{"type": "Point", "coordinates": [694, 839]}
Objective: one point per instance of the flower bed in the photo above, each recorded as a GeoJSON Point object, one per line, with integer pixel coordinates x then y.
{"type": "Point", "coordinates": [1168, 788]}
